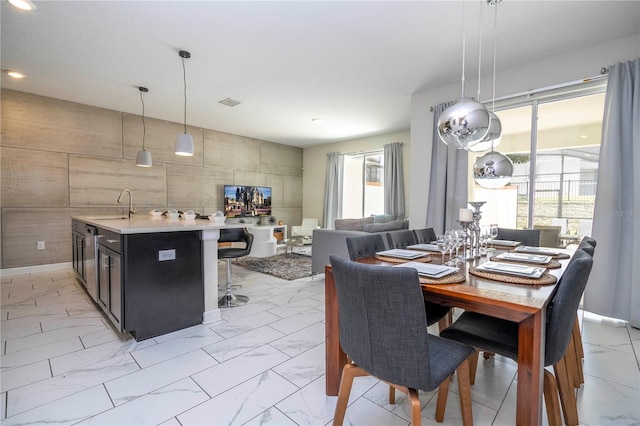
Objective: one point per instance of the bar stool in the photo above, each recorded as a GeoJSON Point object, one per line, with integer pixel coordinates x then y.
{"type": "Point", "coordinates": [233, 235]}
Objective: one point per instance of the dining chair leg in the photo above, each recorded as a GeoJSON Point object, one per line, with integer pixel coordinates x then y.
{"type": "Point", "coordinates": [572, 363]}
{"type": "Point", "coordinates": [473, 366]}
{"type": "Point", "coordinates": [441, 405]}
{"type": "Point", "coordinates": [551, 399]}
{"type": "Point", "coordinates": [566, 392]}
{"type": "Point", "coordinates": [446, 321]}
{"type": "Point", "coordinates": [464, 392]}
{"type": "Point", "coordinates": [579, 349]}
{"type": "Point", "coordinates": [416, 409]}
{"type": "Point", "coordinates": [349, 372]}
{"type": "Point", "coordinates": [392, 395]}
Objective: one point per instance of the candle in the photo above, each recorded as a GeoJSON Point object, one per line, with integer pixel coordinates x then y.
{"type": "Point", "coordinates": [466, 215]}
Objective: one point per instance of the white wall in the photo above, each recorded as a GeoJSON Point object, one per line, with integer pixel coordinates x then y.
{"type": "Point", "coordinates": [571, 66]}
{"type": "Point", "coordinates": [314, 160]}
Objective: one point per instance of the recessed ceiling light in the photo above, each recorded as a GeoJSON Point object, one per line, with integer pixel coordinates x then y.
{"type": "Point", "coordinates": [316, 120]}
{"type": "Point", "coordinates": [584, 137]}
{"type": "Point", "coordinates": [14, 74]}
{"type": "Point", "coordinates": [23, 4]}
{"type": "Point", "coordinates": [229, 102]}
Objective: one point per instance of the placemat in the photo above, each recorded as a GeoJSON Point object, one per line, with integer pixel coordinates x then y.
{"type": "Point", "coordinates": [447, 279]}
{"type": "Point", "coordinates": [555, 256]}
{"type": "Point", "coordinates": [545, 279]}
{"type": "Point", "coordinates": [423, 259]}
{"type": "Point", "coordinates": [551, 265]}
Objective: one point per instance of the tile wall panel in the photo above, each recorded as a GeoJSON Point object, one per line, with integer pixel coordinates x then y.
{"type": "Point", "coordinates": [34, 178]}
{"type": "Point", "coordinates": [292, 191]}
{"type": "Point", "coordinates": [198, 187]}
{"type": "Point", "coordinates": [160, 140]}
{"type": "Point", "coordinates": [48, 124]}
{"type": "Point", "coordinates": [229, 151]}
{"type": "Point", "coordinates": [97, 181]}
{"type": "Point", "coordinates": [280, 159]}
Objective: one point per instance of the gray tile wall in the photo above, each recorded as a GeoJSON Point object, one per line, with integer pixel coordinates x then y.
{"type": "Point", "coordinates": [60, 159]}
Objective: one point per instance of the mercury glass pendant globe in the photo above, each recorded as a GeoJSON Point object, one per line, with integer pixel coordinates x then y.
{"type": "Point", "coordinates": [493, 170]}
{"type": "Point", "coordinates": [493, 138]}
{"type": "Point", "coordinates": [464, 123]}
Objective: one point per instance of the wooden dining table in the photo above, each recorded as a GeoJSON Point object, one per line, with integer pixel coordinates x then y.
{"type": "Point", "coordinates": [523, 304]}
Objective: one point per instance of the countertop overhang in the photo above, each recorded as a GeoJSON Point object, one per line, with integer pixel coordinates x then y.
{"type": "Point", "coordinates": [144, 224]}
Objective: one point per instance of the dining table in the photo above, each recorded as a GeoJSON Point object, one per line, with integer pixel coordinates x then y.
{"type": "Point", "coordinates": [523, 304]}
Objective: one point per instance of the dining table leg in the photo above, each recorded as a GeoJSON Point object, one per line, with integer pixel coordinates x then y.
{"type": "Point", "coordinates": [335, 358]}
{"type": "Point", "coordinates": [531, 338]}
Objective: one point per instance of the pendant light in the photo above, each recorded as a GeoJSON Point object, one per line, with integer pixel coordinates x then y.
{"type": "Point", "coordinates": [493, 170]}
{"type": "Point", "coordinates": [184, 143]}
{"type": "Point", "coordinates": [466, 122]}
{"type": "Point", "coordinates": [494, 136]}
{"type": "Point", "coordinates": [143, 159]}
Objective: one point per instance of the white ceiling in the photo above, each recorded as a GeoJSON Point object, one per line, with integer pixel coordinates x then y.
{"type": "Point", "coordinates": [354, 64]}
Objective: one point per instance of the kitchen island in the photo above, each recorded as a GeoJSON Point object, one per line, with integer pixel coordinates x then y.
{"type": "Point", "coordinates": [154, 275]}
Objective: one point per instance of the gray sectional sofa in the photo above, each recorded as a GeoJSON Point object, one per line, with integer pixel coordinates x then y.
{"type": "Point", "coordinates": [334, 241]}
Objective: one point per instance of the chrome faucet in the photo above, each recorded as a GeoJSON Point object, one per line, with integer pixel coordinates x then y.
{"type": "Point", "coordinates": [132, 210]}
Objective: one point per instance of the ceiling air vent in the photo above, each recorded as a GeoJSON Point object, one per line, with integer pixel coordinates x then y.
{"type": "Point", "coordinates": [229, 102]}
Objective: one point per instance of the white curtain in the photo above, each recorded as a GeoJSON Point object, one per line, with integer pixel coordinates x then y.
{"type": "Point", "coordinates": [448, 181]}
{"type": "Point", "coordinates": [333, 189]}
{"type": "Point", "coordinates": [393, 179]}
{"type": "Point", "coordinates": [613, 289]}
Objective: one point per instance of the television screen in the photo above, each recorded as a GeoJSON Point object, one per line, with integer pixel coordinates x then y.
{"type": "Point", "coordinates": [244, 201]}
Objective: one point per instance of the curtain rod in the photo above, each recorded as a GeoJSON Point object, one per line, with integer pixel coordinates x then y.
{"type": "Point", "coordinates": [364, 152]}
{"type": "Point", "coordinates": [603, 74]}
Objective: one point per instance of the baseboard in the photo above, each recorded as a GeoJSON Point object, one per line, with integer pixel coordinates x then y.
{"type": "Point", "coordinates": [35, 268]}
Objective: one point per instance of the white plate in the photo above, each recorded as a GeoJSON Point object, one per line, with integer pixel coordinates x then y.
{"type": "Point", "coordinates": [537, 250]}
{"type": "Point", "coordinates": [506, 243]}
{"type": "Point", "coordinates": [401, 254]}
{"type": "Point", "coordinates": [511, 269]}
{"type": "Point", "coordinates": [523, 257]}
{"type": "Point", "coordinates": [428, 247]}
{"type": "Point", "coordinates": [428, 269]}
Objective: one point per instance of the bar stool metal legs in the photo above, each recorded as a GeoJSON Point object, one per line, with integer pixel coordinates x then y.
{"type": "Point", "coordinates": [230, 300]}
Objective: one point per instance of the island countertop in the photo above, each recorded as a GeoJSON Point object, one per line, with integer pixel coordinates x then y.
{"type": "Point", "coordinates": [144, 224]}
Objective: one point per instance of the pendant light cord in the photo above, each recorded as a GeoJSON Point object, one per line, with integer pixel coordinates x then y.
{"type": "Point", "coordinates": [464, 43]}
{"type": "Point", "coordinates": [184, 80]}
{"type": "Point", "coordinates": [493, 98]}
{"type": "Point", "coordinates": [144, 128]}
{"type": "Point", "coordinates": [479, 52]}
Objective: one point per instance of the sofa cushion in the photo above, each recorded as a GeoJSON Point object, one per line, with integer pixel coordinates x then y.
{"type": "Point", "coordinates": [352, 224]}
{"type": "Point", "coordinates": [389, 226]}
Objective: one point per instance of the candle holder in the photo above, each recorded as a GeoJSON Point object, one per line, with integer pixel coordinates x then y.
{"type": "Point", "coordinates": [475, 228]}
{"type": "Point", "coordinates": [466, 239]}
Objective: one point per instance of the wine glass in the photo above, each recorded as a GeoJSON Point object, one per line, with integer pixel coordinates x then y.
{"type": "Point", "coordinates": [493, 233]}
{"type": "Point", "coordinates": [443, 245]}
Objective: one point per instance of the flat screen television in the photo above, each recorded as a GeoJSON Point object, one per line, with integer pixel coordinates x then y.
{"type": "Point", "coordinates": [247, 201]}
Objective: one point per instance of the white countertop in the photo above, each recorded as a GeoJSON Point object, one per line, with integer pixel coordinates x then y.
{"type": "Point", "coordinates": [144, 224]}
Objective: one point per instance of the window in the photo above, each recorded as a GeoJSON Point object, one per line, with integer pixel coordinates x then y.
{"type": "Point", "coordinates": [363, 185]}
{"type": "Point", "coordinates": [554, 143]}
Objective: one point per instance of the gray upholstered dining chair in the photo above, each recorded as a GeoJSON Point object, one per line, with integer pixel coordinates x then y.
{"type": "Point", "coordinates": [528, 237]}
{"type": "Point", "coordinates": [501, 336]}
{"type": "Point", "coordinates": [367, 246]}
{"type": "Point", "coordinates": [401, 239]}
{"type": "Point", "coordinates": [424, 235]}
{"type": "Point", "coordinates": [383, 331]}
{"type": "Point", "coordinates": [233, 235]}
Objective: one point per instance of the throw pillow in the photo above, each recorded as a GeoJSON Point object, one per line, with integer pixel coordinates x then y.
{"type": "Point", "coordinates": [384, 227]}
{"type": "Point", "coordinates": [352, 224]}
{"type": "Point", "coordinates": [383, 218]}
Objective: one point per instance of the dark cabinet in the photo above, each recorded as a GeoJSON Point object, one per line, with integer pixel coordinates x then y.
{"type": "Point", "coordinates": [151, 283]}
{"type": "Point", "coordinates": [109, 252]}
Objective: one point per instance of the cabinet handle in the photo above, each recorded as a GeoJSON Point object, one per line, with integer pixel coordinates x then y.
{"type": "Point", "coordinates": [112, 241]}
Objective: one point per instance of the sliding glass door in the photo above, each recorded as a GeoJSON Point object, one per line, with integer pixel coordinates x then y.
{"type": "Point", "coordinates": [554, 144]}
{"type": "Point", "coordinates": [363, 187]}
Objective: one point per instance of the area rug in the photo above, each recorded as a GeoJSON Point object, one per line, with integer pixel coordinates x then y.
{"type": "Point", "coordinates": [286, 266]}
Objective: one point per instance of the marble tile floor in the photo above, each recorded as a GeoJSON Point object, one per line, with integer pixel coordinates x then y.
{"type": "Point", "coordinates": [263, 363]}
